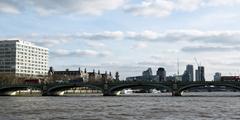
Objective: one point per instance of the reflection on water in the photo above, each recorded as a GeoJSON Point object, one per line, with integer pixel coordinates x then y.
{"type": "Point", "coordinates": [135, 107]}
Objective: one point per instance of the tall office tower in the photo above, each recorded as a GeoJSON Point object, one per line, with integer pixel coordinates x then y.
{"type": "Point", "coordinates": [217, 76]}
{"type": "Point", "coordinates": [197, 75]}
{"type": "Point", "coordinates": [186, 76]}
{"type": "Point", "coordinates": [148, 72]}
{"type": "Point", "coordinates": [188, 73]}
{"type": "Point", "coordinates": [22, 58]}
{"type": "Point", "coordinates": [147, 75]}
{"type": "Point", "coordinates": [161, 73]}
{"type": "Point", "coordinates": [200, 76]}
{"type": "Point", "coordinates": [189, 69]}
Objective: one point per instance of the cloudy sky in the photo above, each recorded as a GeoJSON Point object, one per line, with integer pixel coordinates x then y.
{"type": "Point", "coordinates": [129, 35]}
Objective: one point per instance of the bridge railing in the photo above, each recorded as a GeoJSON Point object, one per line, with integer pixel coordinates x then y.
{"type": "Point", "coordinates": [125, 82]}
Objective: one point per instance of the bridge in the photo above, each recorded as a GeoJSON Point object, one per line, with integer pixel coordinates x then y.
{"type": "Point", "coordinates": [111, 88]}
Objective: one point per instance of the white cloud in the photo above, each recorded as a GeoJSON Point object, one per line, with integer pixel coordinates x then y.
{"type": "Point", "coordinates": [159, 8]}
{"type": "Point", "coordinates": [107, 35]}
{"type": "Point", "coordinates": [9, 7]}
{"type": "Point", "coordinates": [79, 53]}
{"type": "Point", "coordinates": [222, 2]}
{"type": "Point", "coordinates": [59, 7]}
{"type": "Point", "coordinates": [166, 46]}
{"type": "Point", "coordinates": [197, 49]}
{"type": "Point", "coordinates": [52, 40]}
{"type": "Point", "coordinates": [163, 8]}
{"type": "Point", "coordinates": [96, 45]}
{"type": "Point", "coordinates": [88, 7]}
{"type": "Point", "coordinates": [140, 45]}
{"type": "Point", "coordinates": [145, 35]}
{"type": "Point", "coordinates": [188, 5]}
{"type": "Point", "coordinates": [95, 40]}
{"type": "Point", "coordinates": [190, 35]}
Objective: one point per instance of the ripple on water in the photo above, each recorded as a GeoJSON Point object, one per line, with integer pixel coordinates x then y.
{"type": "Point", "coordinates": [119, 108]}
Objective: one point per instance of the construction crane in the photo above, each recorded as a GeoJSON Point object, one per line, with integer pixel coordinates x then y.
{"type": "Point", "coordinates": [178, 66]}
{"type": "Point", "coordinates": [197, 61]}
{"type": "Point", "coordinates": [198, 75]}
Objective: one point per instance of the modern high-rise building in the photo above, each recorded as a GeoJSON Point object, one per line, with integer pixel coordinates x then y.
{"type": "Point", "coordinates": [186, 76]}
{"type": "Point", "coordinates": [22, 58]}
{"type": "Point", "coordinates": [189, 69]}
{"type": "Point", "coordinates": [200, 76]}
{"type": "Point", "coordinates": [188, 73]}
{"type": "Point", "coordinates": [217, 76]}
{"type": "Point", "coordinates": [148, 76]}
{"type": "Point", "coordinates": [148, 72]}
{"type": "Point", "coordinates": [161, 73]}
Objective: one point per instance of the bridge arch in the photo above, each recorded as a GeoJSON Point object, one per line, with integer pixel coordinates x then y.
{"type": "Point", "coordinates": [8, 90]}
{"type": "Point", "coordinates": [113, 90]}
{"type": "Point", "coordinates": [180, 90]}
{"type": "Point", "coordinates": [55, 90]}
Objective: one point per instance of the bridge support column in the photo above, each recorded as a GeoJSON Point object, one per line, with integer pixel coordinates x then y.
{"type": "Point", "coordinates": [51, 94]}
{"type": "Point", "coordinates": [176, 93]}
{"type": "Point", "coordinates": [8, 93]}
{"type": "Point", "coordinates": [44, 93]}
{"type": "Point", "coordinates": [106, 93]}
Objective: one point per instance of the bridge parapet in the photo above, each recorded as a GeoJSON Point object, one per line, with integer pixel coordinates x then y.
{"type": "Point", "coordinates": [110, 88]}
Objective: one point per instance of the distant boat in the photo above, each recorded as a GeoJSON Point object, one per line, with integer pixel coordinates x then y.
{"type": "Point", "coordinates": [156, 91]}
{"type": "Point", "coordinates": [126, 91]}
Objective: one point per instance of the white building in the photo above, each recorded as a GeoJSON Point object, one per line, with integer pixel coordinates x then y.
{"type": "Point", "coordinates": [23, 58]}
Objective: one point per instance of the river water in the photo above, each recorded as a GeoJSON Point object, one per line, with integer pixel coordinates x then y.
{"type": "Point", "coordinates": [200, 106]}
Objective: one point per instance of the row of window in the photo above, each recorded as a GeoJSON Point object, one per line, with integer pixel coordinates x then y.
{"type": "Point", "coordinates": [31, 67]}
{"type": "Point", "coordinates": [10, 70]}
{"type": "Point", "coordinates": [37, 67]}
{"type": "Point", "coordinates": [21, 61]}
{"type": "Point", "coordinates": [7, 55]}
{"type": "Point", "coordinates": [7, 49]}
{"type": "Point", "coordinates": [40, 54]}
{"type": "Point", "coordinates": [10, 66]}
{"type": "Point", "coordinates": [6, 63]}
{"type": "Point", "coordinates": [30, 47]}
{"type": "Point", "coordinates": [23, 71]}
{"type": "Point", "coordinates": [7, 52]}
{"type": "Point", "coordinates": [6, 59]}
{"type": "Point", "coordinates": [21, 58]}
{"type": "Point", "coordinates": [7, 45]}
{"type": "Point", "coordinates": [32, 51]}
{"type": "Point", "coordinates": [32, 54]}
{"type": "Point", "coordinates": [29, 71]}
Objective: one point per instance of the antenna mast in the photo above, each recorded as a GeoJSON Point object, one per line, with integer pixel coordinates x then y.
{"type": "Point", "coordinates": [178, 67]}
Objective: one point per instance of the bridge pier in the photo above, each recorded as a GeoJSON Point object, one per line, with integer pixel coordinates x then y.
{"type": "Point", "coordinates": [175, 89]}
{"type": "Point", "coordinates": [8, 93]}
{"type": "Point", "coordinates": [176, 93]}
{"type": "Point", "coordinates": [109, 94]}
{"type": "Point", "coordinates": [46, 94]}
{"type": "Point", "coordinates": [51, 94]}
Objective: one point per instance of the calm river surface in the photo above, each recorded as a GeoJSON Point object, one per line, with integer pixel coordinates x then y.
{"type": "Point", "coordinates": [200, 106]}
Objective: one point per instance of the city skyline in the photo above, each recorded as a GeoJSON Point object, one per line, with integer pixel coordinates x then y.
{"type": "Point", "coordinates": [129, 36]}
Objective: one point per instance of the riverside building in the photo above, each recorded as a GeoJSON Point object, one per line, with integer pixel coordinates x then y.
{"type": "Point", "coordinates": [148, 76]}
{"type": "Point", "coordinates": [79, 76]}
{"type": "Point", "coordinates": [200, 75]}
{"type": "Point", "coordinates": [188, 74]}
{"type": "Point", "coordinates": [22, 58]}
